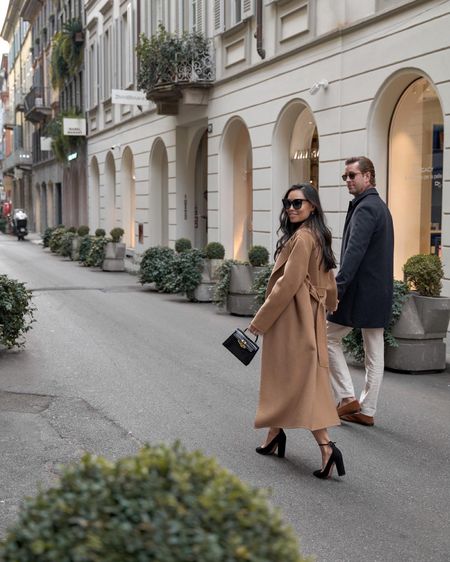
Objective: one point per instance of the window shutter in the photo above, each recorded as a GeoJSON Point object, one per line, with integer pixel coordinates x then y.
{"type": "Point", "coordinates": [247, 9]}
{"type": "Point", "coordinates": [219, 17]}
{"type": "Point", "coordinates": [100, 71]}
{"type": "Point", "coordinates": [116, 54]}
{"type": "Point", "coordinates": [201, 16]}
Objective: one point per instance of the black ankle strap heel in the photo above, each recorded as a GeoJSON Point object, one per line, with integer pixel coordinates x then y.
{"type": "Point", "coordinates": [335, 459]}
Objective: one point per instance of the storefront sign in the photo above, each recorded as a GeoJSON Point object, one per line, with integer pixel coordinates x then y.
{"type": "Point", "coordinates": [74, 127]}
{"type": "Point", "coordinates": [130, 97]}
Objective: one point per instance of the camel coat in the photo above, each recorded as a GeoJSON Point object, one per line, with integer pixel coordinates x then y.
{"type": "Point", "coordinates": [295, 388]}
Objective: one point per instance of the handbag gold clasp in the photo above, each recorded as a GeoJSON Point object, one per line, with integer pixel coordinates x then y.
{"type": "Point", "coordinates": [242, 343]}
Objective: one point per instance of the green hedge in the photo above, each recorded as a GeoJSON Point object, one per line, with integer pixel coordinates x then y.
{"type": "Point", "coordinates": [164, 505]}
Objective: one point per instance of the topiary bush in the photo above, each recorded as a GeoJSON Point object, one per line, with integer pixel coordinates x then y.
{"type": "Point", "coordinates": [96, 253]}
{"type": "Point", "coordinates": [186, 272]}
{"type": "Point", "coordinates": [424, 274]}
{"type": "Point", "coordinates": [164, 504]}
{"type": "Point", "coordinates": [258, 256]}
{"type": "Point", "coordinates": [65, 247]}
{"type": "Point", "coordinates": [85, 247]}
{"type": "Point", "coordinates": [182, 244]}
{"type": "Point", "coordinates": [47, 236]}
{"type": "Point", "coordinates": [16, 312]}
{"type": "Point", "coordinates": [353, 342]}
{"type": "Point", "coordinates": [56, 239]}
{"type": "Point", "coordinates": [83, 230]}
{"type": "Point", "coordinates": [100, 232]}
{"type": "Point", "coordinates": [116, 234]}
{"type": "Point", "coordinates": [214, 251]}
{"type": "Point", "coordinates": [156, 265]}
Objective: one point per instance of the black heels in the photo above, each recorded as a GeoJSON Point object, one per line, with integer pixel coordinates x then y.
{"type": "Point", "coordinates": [335, 459]}
{"type": "Point", "coordinates": [278, 444]}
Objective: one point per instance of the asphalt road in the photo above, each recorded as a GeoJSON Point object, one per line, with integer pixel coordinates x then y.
{"type": "Point", "coordinates": [110, 365]}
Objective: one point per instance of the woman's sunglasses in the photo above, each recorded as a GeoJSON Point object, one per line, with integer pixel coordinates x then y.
{"type": "Point", "coordinates": [296, 203]}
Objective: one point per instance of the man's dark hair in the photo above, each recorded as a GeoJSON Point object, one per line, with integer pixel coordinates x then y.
{"type": "Point", "coordinates": [365, 165]}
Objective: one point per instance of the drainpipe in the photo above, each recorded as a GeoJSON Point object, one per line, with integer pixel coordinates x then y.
{"type": "Point", "coordinates": [259, 29]}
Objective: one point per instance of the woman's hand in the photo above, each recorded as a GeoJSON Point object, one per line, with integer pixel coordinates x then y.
{"type": "Point", "coordinates": [253, 330]}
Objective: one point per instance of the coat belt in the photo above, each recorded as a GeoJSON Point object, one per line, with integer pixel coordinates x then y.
{"type": "Point", "coordinates": [319, 295]}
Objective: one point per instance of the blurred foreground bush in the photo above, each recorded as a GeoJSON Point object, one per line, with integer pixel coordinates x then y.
{"type": "Point", "coordinates": [165, 505]}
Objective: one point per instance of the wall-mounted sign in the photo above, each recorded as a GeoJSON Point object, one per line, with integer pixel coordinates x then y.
{"type": "Point", "coordinates": [74, 127]}
{"type": "Point", "coordinates": [46, 143]}
{"type": "Point", "coordinates": [129, 97]}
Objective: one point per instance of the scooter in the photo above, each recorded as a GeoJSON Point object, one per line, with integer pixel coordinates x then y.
{"type": "Point", "coordinates": [20, 224]}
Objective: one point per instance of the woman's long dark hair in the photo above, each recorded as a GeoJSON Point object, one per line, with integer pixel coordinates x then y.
{"type": "Point", "coordinates": [315, 222]}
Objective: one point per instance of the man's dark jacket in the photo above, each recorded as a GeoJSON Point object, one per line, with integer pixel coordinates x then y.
{"type": "Point", "coordinates": [365, 278]}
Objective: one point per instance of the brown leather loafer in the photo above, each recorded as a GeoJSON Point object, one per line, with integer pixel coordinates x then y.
{"type": "Point", "coordinates": [362, 419]}
{"type": "Point", "coordinates": [350, 408]}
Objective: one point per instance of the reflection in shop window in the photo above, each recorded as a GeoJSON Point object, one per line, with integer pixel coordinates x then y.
{"type": "Point", "coordinates": [415, 173]}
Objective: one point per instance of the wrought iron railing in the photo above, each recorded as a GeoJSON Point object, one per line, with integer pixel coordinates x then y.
{"type": "Point", "coordinates": [36, 98]}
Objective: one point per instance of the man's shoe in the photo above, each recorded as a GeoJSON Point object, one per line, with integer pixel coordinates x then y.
{"type": "Point", "coordinates": [362, 419]}
{"type": "Point", "coordinates": [350, 408]}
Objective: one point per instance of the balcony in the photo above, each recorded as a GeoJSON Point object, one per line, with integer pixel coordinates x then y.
{"type": "Point", "coordinates": [19, 99]}
{"type": "Point", "coordinates": [176, 68]}
{"type": "Point", "coordinates": [20, 158]}
{"type": "Point", "coordinates": [9, 119]}
{"type": "Point", "coordinates": [37, 104]}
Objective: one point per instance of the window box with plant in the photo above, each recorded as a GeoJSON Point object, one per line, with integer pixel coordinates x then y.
{"type": "Point", "coordinates": [422, 325]}
{"type": "Point", "coordinates": [115, 251]}
{"type": "Point", "coordinates": [63, 145]}
{"type": "Point", "coordinates": [67, 52]}
{"type": "Point", "coordinates": [173, 66]}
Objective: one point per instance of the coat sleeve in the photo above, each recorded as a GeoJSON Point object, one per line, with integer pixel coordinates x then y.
{"type": "Point", "coordinates": [363, 225]}
{"type": "Point", "coordinates": [287, 285]}
{"type": "Point", "coordinates": [331, 300]}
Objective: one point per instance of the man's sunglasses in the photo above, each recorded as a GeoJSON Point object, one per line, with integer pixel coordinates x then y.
{"type": "Point", "coordinates": [296, 203]}
{"type": "Point", "coordinates": [350, 175]}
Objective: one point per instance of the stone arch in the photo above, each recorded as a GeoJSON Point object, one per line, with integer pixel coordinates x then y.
{"type": "Point", "coordinates": [236, 189]}
{"type": "Point", "coordinates": [94, 194]}
{"type": "Point", "coordinates": [402, 130]}
{"type": "Point", "coordinates": [158, 194]}
{"type": "Point", "coordinates": [295, 149]}
{"type": "Point", "coordinates": [128, 196]}
{"type": "Point", "coordinates": [109, 192]}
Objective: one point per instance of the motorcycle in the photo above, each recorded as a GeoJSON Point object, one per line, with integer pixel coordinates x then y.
{"type": "Point", "coordinates": [20, 224]}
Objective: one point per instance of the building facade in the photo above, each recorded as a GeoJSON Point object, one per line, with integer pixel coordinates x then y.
{"type": "Point", "coordinates": [323, 80]}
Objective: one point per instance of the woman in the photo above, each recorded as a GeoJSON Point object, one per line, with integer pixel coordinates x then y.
{"type": "Point", "coordinates": [295, 389]}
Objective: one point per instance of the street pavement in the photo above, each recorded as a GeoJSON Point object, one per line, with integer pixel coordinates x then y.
{"type": "Point", "coordinates": [110, 365]}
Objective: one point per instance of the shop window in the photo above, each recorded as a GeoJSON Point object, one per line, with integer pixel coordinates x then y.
{"type": "Point", "coordinates": [415, 173]}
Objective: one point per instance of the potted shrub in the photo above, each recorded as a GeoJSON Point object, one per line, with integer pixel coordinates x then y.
{"type": "Point", "coordinates": [182, 245]}
{"type": "Point", "coordinates": [65, 247]}
{"type": "Point", "coordinates": [115, 251]}
{"type": "Point", "coordinates": [47, 236]}
{"type": "Point", "coordinates": [82, 231]}
{"type": "Point", "coordinates": [16, 312]}
{"type": "Point", "coordinates": [96, 253]}
{"type": "Point", "coordinates": [56, 239]}
{"type": "Point", "coordinates": [241, 296]}
{"type": "Point", "coordinates": [85, 246]}
{"type": "Point", "coordinates": [353, 342]}
{"type": "Point", "coordinates": [156, 265]}
{"type": "Point", "coordinates": [213, 255]}
{"type": "Point", "coordinates": [422, 325]}
{"type": "Point", "coordinates": [185, 274]}
{"type": "Point", "coordinates": [165, 503]}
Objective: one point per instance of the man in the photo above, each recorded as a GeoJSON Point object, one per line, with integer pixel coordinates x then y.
{"type": "Point", "coordinates": [365, 291]}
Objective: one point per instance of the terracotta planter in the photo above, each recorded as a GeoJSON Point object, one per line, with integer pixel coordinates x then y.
{"type": "Point", "coordinates": [114, 257]}
{"type": "Point", "coordinates": [420, 333]}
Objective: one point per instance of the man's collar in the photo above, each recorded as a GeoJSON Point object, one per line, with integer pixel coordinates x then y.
{"type": "Point", "coordinates": [370, 191]}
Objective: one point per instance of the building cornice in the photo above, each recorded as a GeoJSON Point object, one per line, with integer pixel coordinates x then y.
{"type": "Point", "coordinates": [30, 9]}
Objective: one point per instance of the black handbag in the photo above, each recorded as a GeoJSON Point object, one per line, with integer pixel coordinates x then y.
{"type": "Point", "coordinates": [241, 346]}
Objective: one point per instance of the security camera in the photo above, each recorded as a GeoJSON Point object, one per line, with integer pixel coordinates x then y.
{"type": "Point", "coordinates": [115, 146]}
{"type": "Point", "coordinates": [317, 85]}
